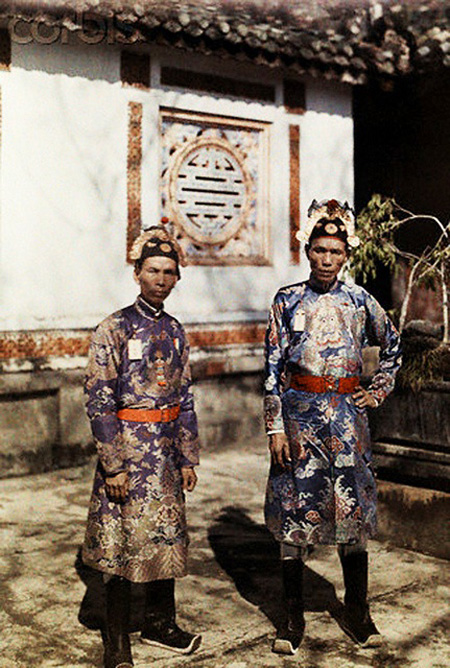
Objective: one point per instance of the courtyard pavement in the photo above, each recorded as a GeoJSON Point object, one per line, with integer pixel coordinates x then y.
{"type": "Point", "coordinates": [232, 594]}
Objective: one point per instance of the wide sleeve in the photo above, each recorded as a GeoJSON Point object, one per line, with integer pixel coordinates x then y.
{"type": "Point", "coordinates": [188, 440]}
{"type": "Point", "coordinates": [382, 332]}
{"type": "Point", "coordinates": [276, 341]}
{"type": "Point", "coordinates": [101, 397]}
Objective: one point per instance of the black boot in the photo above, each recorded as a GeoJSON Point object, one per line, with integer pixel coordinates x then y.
{"type": "Point", "coordinates": [159, 628]}
{"type": "Point", "coordinates": [116, 639]}
{"type": "Point", "coordinates": [290, 635]}
{"type": "Point", "coordinates": [357, 622]}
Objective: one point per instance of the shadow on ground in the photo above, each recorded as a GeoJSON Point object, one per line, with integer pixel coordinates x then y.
{"type": "Point", "coordinates": [248, 553]}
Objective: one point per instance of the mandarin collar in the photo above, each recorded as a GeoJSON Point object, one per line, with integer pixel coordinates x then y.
{"type": "Point", "coordinates": [318, 287]}
{"type": "Point", "coordinates": [147, 310]}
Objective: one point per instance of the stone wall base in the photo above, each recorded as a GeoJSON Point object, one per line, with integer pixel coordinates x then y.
{"type": "Point", "coordinates": [411, 437]}
{"type": "Point", "coordinates": [414, 518]}
{"type": "Point", "coordinates": [43, 424]}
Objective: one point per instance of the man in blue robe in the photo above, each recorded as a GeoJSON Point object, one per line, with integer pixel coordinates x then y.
{"type": "Point", "coordinates": [321, 487]}
{"type": "Point", "coordinates": [140, 405]}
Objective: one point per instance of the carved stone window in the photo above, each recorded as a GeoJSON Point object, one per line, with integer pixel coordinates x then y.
{"type": "Point", "coordinates": [214, 187]}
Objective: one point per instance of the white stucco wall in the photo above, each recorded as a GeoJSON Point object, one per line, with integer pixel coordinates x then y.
{"type": "Point", "coordinates": [63, 178]}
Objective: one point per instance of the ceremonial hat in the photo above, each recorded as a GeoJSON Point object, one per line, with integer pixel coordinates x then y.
{"type": "Point", "coordinates": [330, 218]}
{"type": "Point", "coordinates": [156, 241]}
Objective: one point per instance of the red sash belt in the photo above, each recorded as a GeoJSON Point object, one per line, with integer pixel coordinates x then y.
{"type": "Point", "coordinates": [149, 414]}
{"type": "Point", "coordinates": [324, 383]}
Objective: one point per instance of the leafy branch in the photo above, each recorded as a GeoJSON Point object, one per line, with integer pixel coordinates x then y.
{"type": "Point", "coordinates": [376, 227]}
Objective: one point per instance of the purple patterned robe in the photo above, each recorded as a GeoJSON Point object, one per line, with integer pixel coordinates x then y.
{"type": "Point", "coordinates": [145, 538]}
{"type": "Point", "coordinates": [328, 494]}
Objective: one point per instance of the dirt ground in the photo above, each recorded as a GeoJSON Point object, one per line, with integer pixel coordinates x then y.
{"type": "Point", "coordinates": [232, 595]}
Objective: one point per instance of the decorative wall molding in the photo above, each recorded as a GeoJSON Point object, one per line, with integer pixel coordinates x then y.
{"type": "Point", "coordinates": [214, 182]}
{"type": "Point", "coordinates": [134, 163]}
{"type": "Point", "coordinates": [46, 343]}
{"type": "Point", "coordinates": [75, 343]}
{"type": "Point", "coordinates": [294, 192]}
{"type": "Point", "coordinates": [203, 336]}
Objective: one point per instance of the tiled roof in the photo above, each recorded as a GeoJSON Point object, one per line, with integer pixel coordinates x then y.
{"type": "Point", "coordinates": [345, 40]}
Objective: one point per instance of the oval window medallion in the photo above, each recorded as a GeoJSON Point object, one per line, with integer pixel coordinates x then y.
{"type": "Point", "coordinates": [209, 190]}
{"type": "Point", "coordinates": [214, 186]}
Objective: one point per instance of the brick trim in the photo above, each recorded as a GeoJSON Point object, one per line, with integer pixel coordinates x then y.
{"type": "Point", "coordinates": [227, 335]}
{"type": "Point", "coordinates": [134, 162]}
{"type": "Point", "coordinates": [72, 343]}
{"type": "Point", "coordinates": [32, 345]}
{"type": "Point", "coordinates": [294, 191]}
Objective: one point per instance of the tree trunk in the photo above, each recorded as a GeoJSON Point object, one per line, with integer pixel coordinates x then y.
{"type": "Point", "coordinates": [445, 308]}
{"type": "Point", "coordinates": [405, 305]}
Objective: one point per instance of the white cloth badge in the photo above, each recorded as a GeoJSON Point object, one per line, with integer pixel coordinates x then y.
{"type": "Point", "coordinates": [299, 321]}
{"type": "Point", "coordinates": [135, 349]}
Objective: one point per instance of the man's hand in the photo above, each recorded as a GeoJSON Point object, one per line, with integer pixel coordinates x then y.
{"type": "Point", "coordinates": [279, 449]}
{"type": "Point", "coordinates": [363, 399]}
{"type": "Point", "coordinates": [189, 478]}
{"type": "Point", "coordinates": [117, 486]}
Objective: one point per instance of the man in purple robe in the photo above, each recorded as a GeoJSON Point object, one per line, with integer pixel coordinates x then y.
{"type": "Point", "coordinates": [321, 487]}
{"type": "Point", "coordinates": [141, 409]}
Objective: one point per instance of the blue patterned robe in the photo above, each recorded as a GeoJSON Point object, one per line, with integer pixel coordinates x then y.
{"type": "Point", "coordinates": [328, 494]}
{"type": "Point", "coordinates": [144, 538]}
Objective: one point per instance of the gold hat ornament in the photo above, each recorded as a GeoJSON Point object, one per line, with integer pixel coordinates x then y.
{"type": "Point", "coordinates": [333, 219]}
{"type": "Point", "coordinates": [158, 242]}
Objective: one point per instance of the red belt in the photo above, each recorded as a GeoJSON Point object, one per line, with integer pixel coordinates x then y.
{"type": "Point", "coordinates": [149, 415]}
{"type": "Point", "coordinates": [324, 383]}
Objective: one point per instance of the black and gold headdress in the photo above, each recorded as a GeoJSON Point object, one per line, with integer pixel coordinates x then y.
{"type": "Point", "coordinates": [330, 218]}
{"type": "Point", "coordinates": [156, 241]}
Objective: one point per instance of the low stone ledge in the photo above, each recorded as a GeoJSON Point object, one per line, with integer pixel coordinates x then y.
{"type": "Point", "coordinates": [414, 518]}
{"type": "Point", "coordinates": [421, 464]}
{"type": "Point", "coordinates": [411, 436]}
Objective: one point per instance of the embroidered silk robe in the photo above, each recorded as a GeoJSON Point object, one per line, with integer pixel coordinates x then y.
{"type": "Point", "coordinates": [328, 494]}
{"type": "Point", "coordinates": [145, 538]}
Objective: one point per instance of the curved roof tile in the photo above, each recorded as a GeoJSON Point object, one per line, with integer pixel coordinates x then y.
{"type": "Point", "coordinates": [345, 39]}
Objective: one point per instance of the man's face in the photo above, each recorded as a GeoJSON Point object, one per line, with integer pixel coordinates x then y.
{"type": "Point", "coordinates": [326, 256]}
{"type": "Point", "coordinates": [157, 277]}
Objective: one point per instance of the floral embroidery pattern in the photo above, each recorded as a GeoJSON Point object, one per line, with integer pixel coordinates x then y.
{"type": "Point", "coordinates": [146, 537]}
{"type": "Point", "coordinates": [328, 494]}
